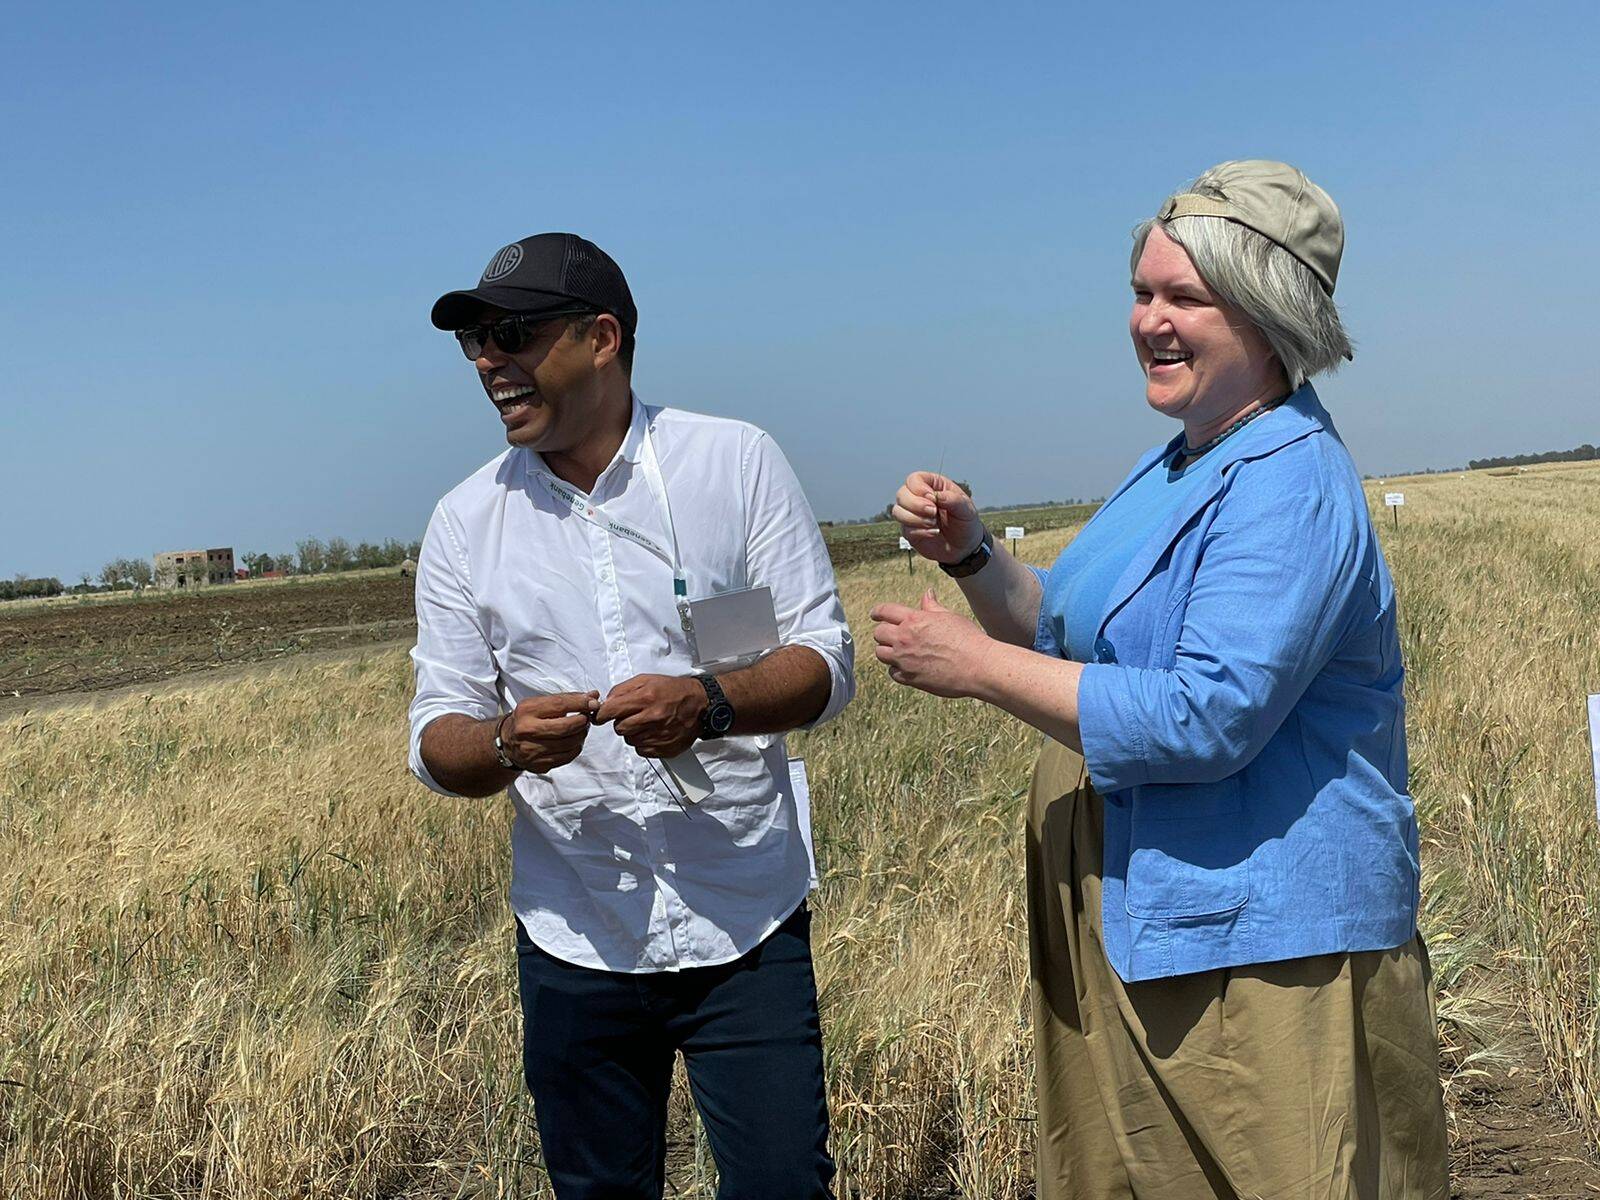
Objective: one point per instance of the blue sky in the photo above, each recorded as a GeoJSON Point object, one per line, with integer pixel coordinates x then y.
{"type": "Point", "coordinates": [886, 233]}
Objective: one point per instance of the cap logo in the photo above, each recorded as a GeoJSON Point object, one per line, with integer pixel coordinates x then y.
{"type": "Point", "coordinates": [502, 264]}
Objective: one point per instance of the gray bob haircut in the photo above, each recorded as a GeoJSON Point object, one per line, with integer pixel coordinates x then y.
{"type": "Point", "coordinates": [1273, 288]}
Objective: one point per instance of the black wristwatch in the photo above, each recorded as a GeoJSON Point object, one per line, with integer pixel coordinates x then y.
{"type": "Point", "coordinates": [717, 719]}
{"type": "Point", "coordinates": [974, 562]}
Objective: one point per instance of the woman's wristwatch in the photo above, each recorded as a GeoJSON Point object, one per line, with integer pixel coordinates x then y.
{"type": "Point", "coordinates": [974, 562]}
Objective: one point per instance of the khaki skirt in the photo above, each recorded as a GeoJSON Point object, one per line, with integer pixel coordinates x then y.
{"type": "Point", "coordinates": [1313, 1077]}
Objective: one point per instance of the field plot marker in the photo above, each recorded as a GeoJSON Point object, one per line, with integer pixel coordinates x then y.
{"type": "Point", "coordinates": [1594, 748]}
{"type": "Point", "coordinates": [1395, 501]}
{"type": "Point", "coordinates": [1014, 534]}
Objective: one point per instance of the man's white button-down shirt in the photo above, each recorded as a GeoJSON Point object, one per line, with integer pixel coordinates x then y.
{"type": "Point", "coordinates": [518, 596]}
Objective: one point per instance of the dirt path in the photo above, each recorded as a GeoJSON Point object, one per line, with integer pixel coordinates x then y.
{"type": "Point", "coordinates": [1511, 1141]}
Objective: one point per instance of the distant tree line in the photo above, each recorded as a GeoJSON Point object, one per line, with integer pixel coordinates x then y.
{"type": "Point", "coordinates": [313, 556]}
{"type": "Point", "coordinates": [1582, 453]}
{"type": "Point", "coordinates": [20, 587]}
{"type": "Point", "coordinates": [888, 509]}
{"type": "Point", "coordinates": [887, 512]}
{"type": "Point", "coordinates": [127, 572]}
{"type": "Point", "coordinates": [1069, 501]}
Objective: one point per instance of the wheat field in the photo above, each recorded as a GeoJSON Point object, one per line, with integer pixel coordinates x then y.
{"type": "Point", "coordinates": [243, 955]}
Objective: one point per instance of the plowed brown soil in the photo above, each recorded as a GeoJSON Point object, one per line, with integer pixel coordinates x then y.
{"type": "Point", "coordinates": [72, 648]}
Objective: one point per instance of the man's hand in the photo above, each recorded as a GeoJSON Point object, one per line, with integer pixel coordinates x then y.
{"type": "Point", "coordinates": [658, 715]}
{"type": "Point", "coordinates": [546, 732]}
{"type": "Point", "coordinates": [929, 647]}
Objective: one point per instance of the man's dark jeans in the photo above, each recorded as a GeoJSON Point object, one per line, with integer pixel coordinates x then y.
{"type": "Point", "coordinates": [597, 1050]}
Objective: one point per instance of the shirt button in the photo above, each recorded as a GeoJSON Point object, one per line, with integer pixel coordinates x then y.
{"type": "Point", "coordinates": [618, 646]}
{"type": "Point", "coordinates": [1104, 651]}
{"type": "Point", "coordinates": [605, 575]}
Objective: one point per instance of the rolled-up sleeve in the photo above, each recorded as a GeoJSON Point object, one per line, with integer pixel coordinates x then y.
{"type": "Point", "coordinates": [785, 551]}
{"type": "Point", "coordinates": [455, 670]}
{"type": "Point", "coordinates": [1278, 583]}
{"type": "Point", "coordinates": [1044, 634]}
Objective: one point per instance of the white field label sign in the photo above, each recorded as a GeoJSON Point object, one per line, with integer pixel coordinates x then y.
{"type": "Point", "coordinates": [1015, 531]}
{"type": "Point", "coordinates": [1594, 747]}
{"type": "Point", "coordinates": [1394, 499]}
{"type": "Point", "coordinates": [904, 545]}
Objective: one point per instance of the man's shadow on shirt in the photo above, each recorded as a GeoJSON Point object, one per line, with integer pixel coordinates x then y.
{"type": "Point", "coordinates": [622, 901]}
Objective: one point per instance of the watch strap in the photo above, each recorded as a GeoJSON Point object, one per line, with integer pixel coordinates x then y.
{"type": "Point", "coordinates": [974, 562]}
{"type": "Point", "coordinates": [719, 705]}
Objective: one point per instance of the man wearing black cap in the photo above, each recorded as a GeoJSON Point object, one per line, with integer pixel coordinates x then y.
{"type": "Point", "coordinates": [660, 847]}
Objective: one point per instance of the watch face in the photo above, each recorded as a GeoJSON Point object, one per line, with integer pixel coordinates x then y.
{"type": "Point", "coordinates": [720, 718]}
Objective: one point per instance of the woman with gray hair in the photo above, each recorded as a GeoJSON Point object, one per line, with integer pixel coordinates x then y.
{"type": "Point", "coordinates": [1230, 995]}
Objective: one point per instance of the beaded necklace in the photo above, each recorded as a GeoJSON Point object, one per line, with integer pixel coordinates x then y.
{"type": "Point", "coordinates": [1186, 452]}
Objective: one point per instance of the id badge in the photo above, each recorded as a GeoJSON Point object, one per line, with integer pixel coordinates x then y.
{"type": "Point", "coordinates": [800, 786]}
{"type": "Point", "coordinates": [731, 629]}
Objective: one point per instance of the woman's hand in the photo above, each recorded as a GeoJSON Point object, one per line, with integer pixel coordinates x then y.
{"type": "Point", "coordinates": [937, 517]}
{"type": "Point", "coordinates": [929, 647]}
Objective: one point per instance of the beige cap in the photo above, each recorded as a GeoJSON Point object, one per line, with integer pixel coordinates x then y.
{"type": "Point", "coordinates": [1278, 202]}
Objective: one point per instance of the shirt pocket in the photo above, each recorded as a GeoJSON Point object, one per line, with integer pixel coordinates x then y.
{"type": "Point", "coordinates": [1187, 856]}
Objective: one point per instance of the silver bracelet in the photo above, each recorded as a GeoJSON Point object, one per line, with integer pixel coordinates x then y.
{"type": "Point", "coordinates": [500, 754]}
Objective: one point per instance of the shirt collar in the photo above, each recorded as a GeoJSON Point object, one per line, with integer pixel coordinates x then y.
{"type": "Point", "coordinates": [631, 450]}
{"type": "Point", "coordinates": [633, 441]}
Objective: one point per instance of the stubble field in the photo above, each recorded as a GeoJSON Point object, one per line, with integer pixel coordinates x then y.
{"type": "Point", "coordinates": [244, 955]}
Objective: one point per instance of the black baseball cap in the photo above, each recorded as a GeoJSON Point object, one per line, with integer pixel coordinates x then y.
{"type": "Point", "coordinates": [543, 273]}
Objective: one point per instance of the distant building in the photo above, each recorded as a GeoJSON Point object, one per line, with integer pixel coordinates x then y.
{"type": "Point", "coordinates": [184, 569]}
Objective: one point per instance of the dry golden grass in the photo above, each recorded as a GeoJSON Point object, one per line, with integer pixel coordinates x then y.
{"type": "Point", "coordinates": [1499, 578]}
{"type": "Point", "coordinates": [244, 955]}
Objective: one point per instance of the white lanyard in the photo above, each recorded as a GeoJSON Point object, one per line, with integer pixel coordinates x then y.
{"type": "Point", "coordinates": [584, 507]}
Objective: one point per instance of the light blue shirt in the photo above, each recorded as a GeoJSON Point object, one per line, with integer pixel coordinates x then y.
{"type": "Point", "coordinates": [1243, 715]}
{"type": "Point", "coordinates": [1091, 565]}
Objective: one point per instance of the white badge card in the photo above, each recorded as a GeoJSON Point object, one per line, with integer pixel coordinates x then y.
{"type": "Point", "coordinates": [733, 628]}
{"type": "Point", "coordinates": [689, 773]}
{"type": "Point", "coordinates": [801, 786]}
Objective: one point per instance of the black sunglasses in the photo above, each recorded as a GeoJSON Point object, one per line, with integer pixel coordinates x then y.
{"type": "Point", "coordinates": [511, 333]}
